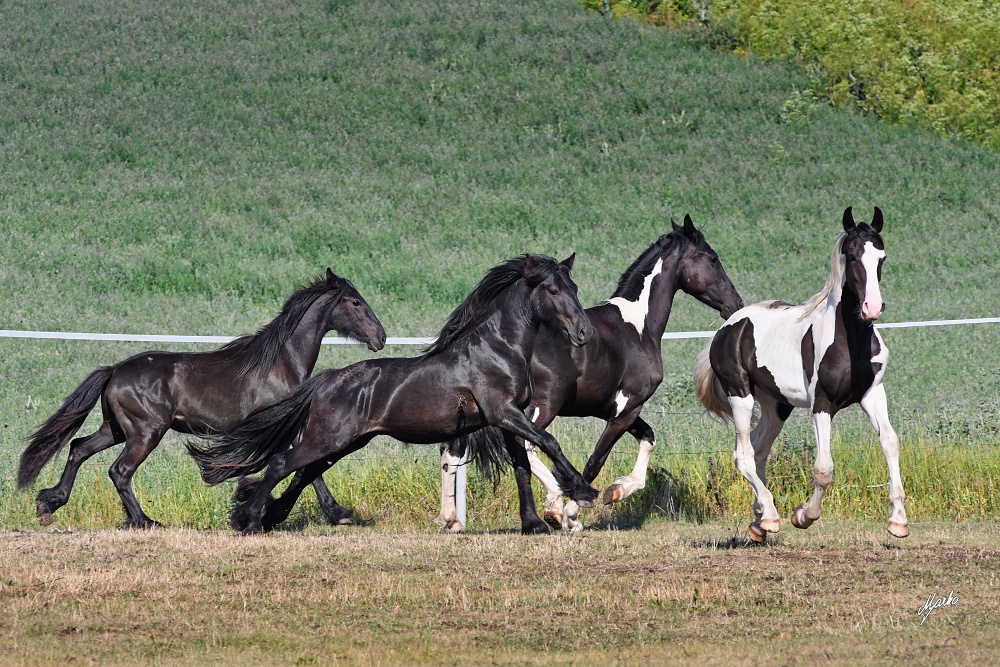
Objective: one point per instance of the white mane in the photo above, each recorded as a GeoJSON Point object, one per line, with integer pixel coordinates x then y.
{"type": "Point", "coordinates": [835, 284]}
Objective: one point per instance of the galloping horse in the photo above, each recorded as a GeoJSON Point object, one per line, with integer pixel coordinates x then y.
{"type": "Point", "coordinates": [617, 371]}
{"type": "Point", "coordinates": [823, 355]}
{"type": "Point", "coordinates": [475, 374]}
{"type": "Point", "coordinates": [146, 395]}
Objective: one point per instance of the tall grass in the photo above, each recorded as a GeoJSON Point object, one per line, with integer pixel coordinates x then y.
{"type": "Point", "coordinates": [182, 167]}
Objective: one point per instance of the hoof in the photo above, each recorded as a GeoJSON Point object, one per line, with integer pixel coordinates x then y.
{"type": "Point", "coordinates": [898, 529]}
{"type": "Point", "coordinates": [553, 519]}
{"type": "Point", "coordinates": [147, 524]}
{"type": "Point", "coordinates": [454, 527]}
{"type": "Point", "coordinates": [799, 518]}
{"type": "Point", "coordinates": [535, 528]}
{"type": "Point", "coordinates": [613, 494]}
{"type": "Point", "coordinates": [46, 518]}
{"type": "Point", "coordinates": [341, 516]}
{"type": "Point", "coordinates": [755, 534]}
{"type": "Point", "coordinates": [770, 525]}
{"type": "Point", "coordinates": [584, 503]}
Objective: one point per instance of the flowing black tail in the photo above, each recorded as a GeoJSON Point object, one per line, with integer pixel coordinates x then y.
{"type": "Point", "coordinates": [53, 435]}
{"type": "Point", "coordinates": [486, 447]}
{"type": "Point", "coordinates": [245, 448]}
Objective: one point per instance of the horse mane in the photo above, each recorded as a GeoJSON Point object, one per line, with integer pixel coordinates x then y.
{"type": "Point", "coordinates": [262, 348]}
{"type": "Point", "coordinates": [481, 301]}
{"type": "Point", "coordinates": [674, 241]}
{"type": "Point", "coordinates": [834, 284]}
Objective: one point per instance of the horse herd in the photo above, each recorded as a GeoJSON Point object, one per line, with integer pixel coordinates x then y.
{"type": "Point", "coordinates": [519, 351]}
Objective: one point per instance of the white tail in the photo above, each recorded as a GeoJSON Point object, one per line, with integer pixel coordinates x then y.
{"type": "Point", "coordinates": [708, 387]}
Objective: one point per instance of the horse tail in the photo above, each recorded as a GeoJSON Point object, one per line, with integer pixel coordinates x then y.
{"type": "Point", "coordinates": [53, 435]}
{"type": "Point", "coordinates": [245, 448]}
{"type": "Point", "coordinates": [708, 387]}
{"type": "Point", "coordinates": [486, 447]}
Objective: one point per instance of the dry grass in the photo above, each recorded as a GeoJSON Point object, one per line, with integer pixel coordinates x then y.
{"type": "Point", "coordinates": [841, 593]}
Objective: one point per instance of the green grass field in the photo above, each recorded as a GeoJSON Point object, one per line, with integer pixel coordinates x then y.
{"type": "Point", "coordinates": [183, 167]}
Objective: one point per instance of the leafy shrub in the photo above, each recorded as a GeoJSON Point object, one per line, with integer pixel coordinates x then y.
{"type": "Point", "coordinates": [934, 63]}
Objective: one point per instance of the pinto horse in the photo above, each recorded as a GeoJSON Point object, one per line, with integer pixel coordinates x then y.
{"type": "Point", "coordinates": [615, 374]}
{"type": "Point", "coordinates": [146, 395]}
{"type": "Point", "coordinates": [475, 374]}
{"type": "Point", "coordinates": [823, 355]}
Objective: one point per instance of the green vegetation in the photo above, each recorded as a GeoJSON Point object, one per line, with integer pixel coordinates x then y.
{"type": "Point", "coordinates": [933, 63]}
{"type": "Point", "coordinates": [182, 167]}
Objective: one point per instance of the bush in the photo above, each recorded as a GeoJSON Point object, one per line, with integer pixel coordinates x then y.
{"type": "Point", "coordinates": [931, 63]}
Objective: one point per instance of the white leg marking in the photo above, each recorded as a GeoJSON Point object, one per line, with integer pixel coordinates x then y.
{"type": "Point", "coordinates": [875, 406]}
{"type": "Point", "coordinates": [571, 521]}
{"type": "Point", "coordinates": [621, 400]}
{"type": "Point", "coordinates": [634, 312]}
{"type": "Point", "coordinates": [764, 509]}
{"type": "Point", "coordinates": [448, 518]}
{"type": "Point", "coordinates": [822, 471]}
{"type": "Point", "coordinates": [623, 487]}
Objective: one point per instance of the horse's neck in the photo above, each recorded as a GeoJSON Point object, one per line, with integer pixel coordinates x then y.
{"type": "Point", "coordinates": [513, 318]}
{"type": "Point", "coordinates": [300, 351]}
{"type": "Point", "coordinates": [858, 331]}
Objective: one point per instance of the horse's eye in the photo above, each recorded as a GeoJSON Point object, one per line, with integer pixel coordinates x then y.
{"type": "Point", "coordinates": [714, 259]}
{"type": "Point", "coordinates": [553, 291]}
{"type": "Point", "coordinates": [357, 303]}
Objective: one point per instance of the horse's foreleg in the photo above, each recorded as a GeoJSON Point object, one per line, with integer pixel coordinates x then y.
{"type": "Point", "coordinates": [530, 523]}
{"type": "Point", "coordinates": [277, 509]}
{"type": "Point", "coordinates": [875, 406]}
{"type": "Point", "coordinates": [570, 480]}
{"type": "Point", "coordinates": [806, 515]}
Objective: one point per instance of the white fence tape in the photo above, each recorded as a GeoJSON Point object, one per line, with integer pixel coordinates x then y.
{"type": "Point", "coordinates": [144, 338]}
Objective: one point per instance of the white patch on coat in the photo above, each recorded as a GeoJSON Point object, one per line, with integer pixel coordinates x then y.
{"type": "Point", "coordinates": [534, 418]}
{"type": "Point", "coordinates": [634, 312]}
{"type": "Point", "coordinates": [621, 400]}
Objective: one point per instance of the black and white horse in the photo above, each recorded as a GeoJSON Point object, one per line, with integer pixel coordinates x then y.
{"type": "Point", "coordinates": [823, 355]}
{"type": "Point", "coordinates": [613, 376]}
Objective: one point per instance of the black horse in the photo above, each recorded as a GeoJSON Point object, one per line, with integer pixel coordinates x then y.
{"type": "Point", "coordinates": [476, 373]}
{"type": "Point", "coordinates": [146, 395]}
{"type": "Point", "coordinates": [616, 373]}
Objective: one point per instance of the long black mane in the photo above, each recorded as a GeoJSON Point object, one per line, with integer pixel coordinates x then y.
{"type": "Point", "coordinates": [630, 284]}
{"type": "Point", "coordinates": [262, 348]}
{"type": "Point", "coordinates": [481, 302]}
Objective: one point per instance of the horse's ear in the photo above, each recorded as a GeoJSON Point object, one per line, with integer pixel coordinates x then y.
{"type": "Point", "coordinates": [849, 223]}
{"type": "Point", "coordinates": [674, 224]}
{"type": "Point", "coordinates": [877, 220]}
{"type": "Point", "coordinates": [568, 262]}
{"type": "Point", "coordinates": [332, 279]}
{"type": "Point", "coordinates": [689, 229]}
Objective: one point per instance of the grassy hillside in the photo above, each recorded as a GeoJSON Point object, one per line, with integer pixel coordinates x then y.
{"type": "Point", "coordinates": [182, 167]}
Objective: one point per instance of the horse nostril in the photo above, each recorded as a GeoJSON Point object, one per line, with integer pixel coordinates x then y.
{"type": "Point", "coordinates": [583, 334]}
{"type": "Point", "coordinates": [741, 303]}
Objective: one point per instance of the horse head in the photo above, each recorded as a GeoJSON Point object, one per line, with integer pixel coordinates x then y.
{"type": "Point", "coordinates": [349, 314]}
{"type": "Point", "coordinates": [554, 299]}
{"type": "Point", "coordinates": [862, 255]}
{"type": "Point", "coordinates": [701, 274]}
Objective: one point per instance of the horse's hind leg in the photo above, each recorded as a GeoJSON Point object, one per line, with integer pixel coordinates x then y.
{"type": "Point", "coordinates": [767, 520]}
{"type": "Point", "coordinates": [335, 513]}
{"type": "Point", "coordinates": [450, 460]}
{"type": "Point", "coordinates": [875, 406]}
{"type": "Point", "coordinates": [625, 486]}
{"type": "Point", "coordinates": [278, 509]}
{"type": "Point", "coordinates": [772, 419]}
{"type": "Point", "coordinates": [81, 449]}
{"type": "Point", "coordinates": [138, 446]}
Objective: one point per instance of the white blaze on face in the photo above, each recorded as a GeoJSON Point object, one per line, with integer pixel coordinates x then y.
{"type": "Point", "coordinates": [634, 312]}
{"type": "Point", "coordinates": [872, 306]}
{"type": "Point", "coordinates": [621, 400]}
